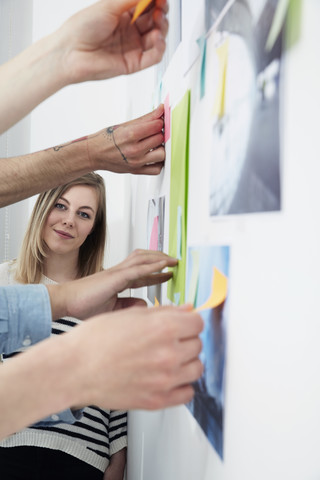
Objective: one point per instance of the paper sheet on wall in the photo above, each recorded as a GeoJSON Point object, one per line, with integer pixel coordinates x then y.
{"type": "Point", "coordinates": [208, 269]}
{"type": "Point", "coordinates": [155, 232]}
{"type": "Point", "coordinates": [178, 197]}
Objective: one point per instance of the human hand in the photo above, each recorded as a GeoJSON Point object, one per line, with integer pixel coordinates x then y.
{"type": "Point", "coordinates": [133, 272]}
{"type": "Point", "coordinates": [142, 358]}
{"type": "Point", "coordinates": [101, 42]}
{"type": "Point", "coordinates": [131, 147]}
{"type": "Point", "coordinates": [97, 293]}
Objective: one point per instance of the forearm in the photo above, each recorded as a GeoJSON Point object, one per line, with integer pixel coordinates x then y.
{"type": "Point", "coordinates": [29, 78]}
{"type": "Point", "coordinates": [116, 467]}
{"type": "Point", "coordinates": [27, 175]}
{"type": "Point", "coordinates": [35, 384]}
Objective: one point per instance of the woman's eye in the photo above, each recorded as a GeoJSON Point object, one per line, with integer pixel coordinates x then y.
{"type": "Point", "coordinates": [84, 215]}
{"type": "Point", "coordinates": [60, 206]}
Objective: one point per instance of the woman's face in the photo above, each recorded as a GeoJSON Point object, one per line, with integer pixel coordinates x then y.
{"type": "Point", "coordinates": [71, 219]}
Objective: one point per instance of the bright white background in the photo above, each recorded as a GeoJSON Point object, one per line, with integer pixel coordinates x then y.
{"type": "Point", "coordinates": [272, 418]}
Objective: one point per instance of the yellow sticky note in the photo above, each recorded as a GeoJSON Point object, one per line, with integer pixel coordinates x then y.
{"type": "Point", "coordinates": [156, 302]}
{"type": "Point", "coordinates": [220, 99]}
{"type": "Point", "coordinates": [219, 290]}
{"type": "Point", "coordinates": [141, 6]}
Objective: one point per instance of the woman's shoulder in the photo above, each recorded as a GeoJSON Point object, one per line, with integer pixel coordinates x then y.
{"type": "Point", "coordinates": [7, 273]}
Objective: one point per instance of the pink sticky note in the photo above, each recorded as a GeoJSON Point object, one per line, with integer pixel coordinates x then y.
{"type": "Point", "coordinates": [154, 234]}
{"type": "Point", "coordinates": [167, 115]}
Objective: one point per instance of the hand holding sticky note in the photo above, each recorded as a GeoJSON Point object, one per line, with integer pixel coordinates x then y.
{"type": "Point", "coordinates": [141, 6]}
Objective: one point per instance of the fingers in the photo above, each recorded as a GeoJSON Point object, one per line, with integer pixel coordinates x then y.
{"type": "Point", "coordinates": [178, 396]}
{"type": "Point", "coordinates": [145, 276]}
{"type": "Point", "coordinates": [190, 349]}
{"type": "Point", "coordinates": [128, 302]}
{"type": "Point", "coordinates": [152, 143]}
{"type": "Point", "coordinates": [140, 256]}
{"type": "Point", "coordinates": [141, 142]}
{"type": "Point", "coordinates": [154, 17]}
{"type": "Point", "coordinates": [153, 55]}
{"type": "Point", "coordinates": [161, 21]}
{"type": "Point", "coordinates": [152, 169]}
{"type": "Point", "coordinates": [133, 133]}
{"type": "Point", "coordinates": [155, 114]}
{"type": "Point", "coordinates": [188, 323]}
{"type": "Point", "coordinates": [151, 279]}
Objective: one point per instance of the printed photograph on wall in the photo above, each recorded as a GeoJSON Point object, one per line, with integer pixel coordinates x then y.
{"type": "Point", "coordinates": [155, 231]}
{"type": "Point", "coordinates": [245, 143]}
{"type": "Point", "coordinates": [207, 289]}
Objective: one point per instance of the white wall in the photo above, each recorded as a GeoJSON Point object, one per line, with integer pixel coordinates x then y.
{"type": "Point", "coordinates": [272, 415]}
{"type": "Point", "coordinates": [15, 35]}
{"type": "Point", "coordinates": [79, 110]}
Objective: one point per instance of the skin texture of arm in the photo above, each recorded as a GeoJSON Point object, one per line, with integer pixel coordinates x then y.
{"type": "Point", "coordinates": [115, 469]}
{"type": "Point", "coordinates": [89, 366]}
{"type": "Point", "coordinates": [139, 140]}
{"type": "Point", "coordinates": [96, 43]}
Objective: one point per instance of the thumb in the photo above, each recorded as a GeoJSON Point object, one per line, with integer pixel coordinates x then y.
{"type": "Point", "coordinates": [127, 302]}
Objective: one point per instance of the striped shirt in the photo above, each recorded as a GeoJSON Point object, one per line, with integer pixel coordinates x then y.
{"type": "Point", "coordinates": [92, 439]}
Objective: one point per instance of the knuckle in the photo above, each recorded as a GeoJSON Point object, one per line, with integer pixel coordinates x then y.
{"type": "Point", "coordinates": [132, 150]}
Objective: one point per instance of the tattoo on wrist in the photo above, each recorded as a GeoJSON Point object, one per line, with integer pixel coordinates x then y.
{"type": "Point", "coordinates": [59, 147]}
{"type": "Point", "coordinates": [110, 135]}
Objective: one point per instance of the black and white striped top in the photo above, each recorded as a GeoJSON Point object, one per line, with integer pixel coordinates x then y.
{"type": "Point", "coordinates": [92, 439]}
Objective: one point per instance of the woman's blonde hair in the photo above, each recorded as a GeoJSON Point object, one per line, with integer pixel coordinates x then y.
{"type": "Point", "coordinates": [91, 253]}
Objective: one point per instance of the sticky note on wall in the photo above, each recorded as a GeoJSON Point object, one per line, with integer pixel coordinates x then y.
{"type": "Point", "coordinates": [202, 42]}
{"type": "Point", "coordinates": [220, 98]}
{"type": "Point", "coordinates": [179, 196]}
{"type": "Point", "coordinates": [154, 234]}
{"type": "Point", "coordinates": [219, 289]}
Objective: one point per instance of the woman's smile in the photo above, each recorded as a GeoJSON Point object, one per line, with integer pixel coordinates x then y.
{"type": "Point", "coordinates": [63, 234]}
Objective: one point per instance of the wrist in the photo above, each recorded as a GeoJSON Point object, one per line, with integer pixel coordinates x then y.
{"type": "Point", "coordinates": [100, 151]}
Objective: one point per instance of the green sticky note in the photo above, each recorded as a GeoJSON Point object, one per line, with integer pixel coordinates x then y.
{"type": "Point", "coordinates": [179, 196]}
{"type": "Point", "coordinates": [277, 23]}
{"type": "Point", "coordinates": [288, 12]}
{"type": "Point", "coordinates": [293, 23]}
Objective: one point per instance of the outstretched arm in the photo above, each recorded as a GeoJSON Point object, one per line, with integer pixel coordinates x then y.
{"type": "Point", "coordinates": [96, 43]}
{"type": "Point", "coordinates": [97, 293]}
{"type": "Point", "coordinates": [144, 358]}
{"type": "Point", "coordinates": [131, 147]}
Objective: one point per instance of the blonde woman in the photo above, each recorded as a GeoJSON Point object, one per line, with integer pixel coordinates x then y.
{"type": "Point", "coordinates": [65, 240]}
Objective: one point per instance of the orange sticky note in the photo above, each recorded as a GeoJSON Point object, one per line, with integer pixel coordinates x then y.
{"type": "Point", "coordinates": [219, 289]}
{"type": "Point", "coordinates": [156, 302]}
{"type": "Point", "coordinates": [141, 6]}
